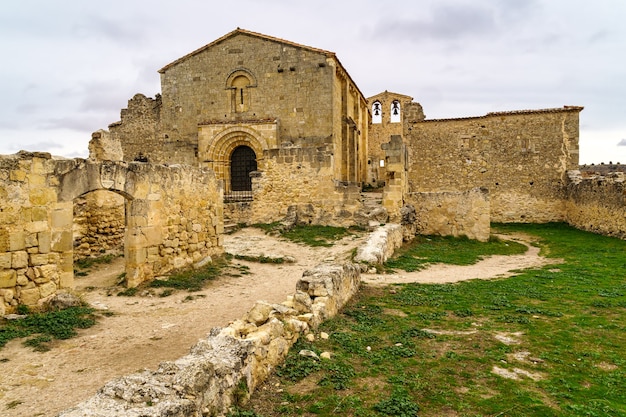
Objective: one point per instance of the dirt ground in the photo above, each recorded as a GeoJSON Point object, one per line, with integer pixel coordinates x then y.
{"type": "Point", "coordinates": [147, 329]}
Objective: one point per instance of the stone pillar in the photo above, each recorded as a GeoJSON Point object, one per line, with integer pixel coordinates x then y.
{"type": "Point", "coordinates": [396, 185]}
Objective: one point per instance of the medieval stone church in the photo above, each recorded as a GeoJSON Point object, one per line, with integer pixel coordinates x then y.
{"type": "Point", "coordinates": [286, 128]}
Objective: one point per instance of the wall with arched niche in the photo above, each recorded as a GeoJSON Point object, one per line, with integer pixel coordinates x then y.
{"type": "Point", "coordinates": [173, 220]}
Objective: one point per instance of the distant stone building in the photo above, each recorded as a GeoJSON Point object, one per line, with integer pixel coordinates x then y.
{"type": "Point", "coordinates": [282, 124]}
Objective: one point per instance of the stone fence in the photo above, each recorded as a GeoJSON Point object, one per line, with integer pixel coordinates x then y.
{"type": "Point", "coordinates": [452, 213]}
{"type": "Point", "coordinates": [597, 203]}
{"type": "Point", "coordinates": [232, 361]}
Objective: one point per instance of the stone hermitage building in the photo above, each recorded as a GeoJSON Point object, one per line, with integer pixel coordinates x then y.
{"type": "Point", "coordinates": [254, 129]}
{"type": "Point", "coordinates": [282, 124]}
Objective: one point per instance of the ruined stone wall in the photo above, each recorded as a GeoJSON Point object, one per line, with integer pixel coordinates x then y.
{"type": "Point", "coordinates": [300, 179]}
{"type": "Point", "coordinates": [520, 157]}
{"type": "Point", "coordinates": [99, 224]}
{"type": "Point", "coordinates": [242, 355]}
{"type": "Point", "coordinates": [451, 213]}
{"type": "Point", "coordinates": [174, 219]}
{"type": "Point", "coordinates": [35, 231]}
{"type": "Point", "coordinates": [597, 203]}
{"type": "Point", "coordinates": [136, 132]}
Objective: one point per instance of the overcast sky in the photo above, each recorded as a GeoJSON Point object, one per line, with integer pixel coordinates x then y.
{"type": "Point", "coordinates": [69, 66]}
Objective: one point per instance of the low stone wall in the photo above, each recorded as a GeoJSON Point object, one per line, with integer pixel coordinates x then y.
{"type": "Point", "coordinates": [380, 245]}
{"type": "Point", "coordinates": [597, 203]}
{"type": "Point", "coordinates": [231, 361]}
{"type": "Point", "coordinates": [452, 213]}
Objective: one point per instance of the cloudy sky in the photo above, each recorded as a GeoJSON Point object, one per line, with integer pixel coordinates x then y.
{"type": "Point", "coordinates": [69, 66]}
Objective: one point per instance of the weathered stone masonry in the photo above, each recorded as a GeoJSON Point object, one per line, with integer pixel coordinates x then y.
{"type": "Point", "coordinates": [521, 157]}
{"type": "Point", "coordinates": [173, 219]}
{"type": "Point", "coordinates": [597, 203]}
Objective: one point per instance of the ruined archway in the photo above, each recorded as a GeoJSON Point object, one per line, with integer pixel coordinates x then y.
{"type": "Point", "coordinates": [173, 219]}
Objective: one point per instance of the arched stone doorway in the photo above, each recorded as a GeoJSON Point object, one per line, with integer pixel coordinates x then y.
{"type": "Point", "coordinates": [242, 163]}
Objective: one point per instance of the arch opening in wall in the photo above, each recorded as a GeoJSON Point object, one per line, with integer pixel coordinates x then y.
{"type": "Point", "coordinates": [242, 162]}
{"type": "Point", "coordinates": [99, 234]}
{"type": "Point", "coordinates": [377, 112]}
{"type": "Point", "coordinates": [395, 115]}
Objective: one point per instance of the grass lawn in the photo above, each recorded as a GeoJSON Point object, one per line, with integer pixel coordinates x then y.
{"type": "Point", "coordinates": [547, 342]}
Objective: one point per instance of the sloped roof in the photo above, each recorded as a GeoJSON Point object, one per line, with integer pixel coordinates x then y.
{"type": "Point", "coordinates": [239, 31]}
{"type": "Point", "coordinates": [390, 94]}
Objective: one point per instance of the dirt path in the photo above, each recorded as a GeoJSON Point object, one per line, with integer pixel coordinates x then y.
{"type": "Point", "coordinates": [146, 330]}
{"type": "Point", "coordinates": [498, 266]}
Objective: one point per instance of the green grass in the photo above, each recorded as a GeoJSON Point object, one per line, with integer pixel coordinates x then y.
{"type": "Point", "coordinates": [90, 262]}
{"type": "Point", "coordinates": [261, 259]}
{"type": "Point", "coordinates": [47, 326]}
{"type": "Point", "coordinates": [426, 250]}
{"type": "Point", "coordinates": [311, 235]}
{"type": "Point", "coordinates": [192, 279]}
{"type": "Point", "coordinates": [569, 320]}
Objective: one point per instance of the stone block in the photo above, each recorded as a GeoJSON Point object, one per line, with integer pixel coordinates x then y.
{"type": "Point", "coordinates": [17, 240]}
{"type": "Point", "coordinates": [49, 272]}
{"type": "Point", "coordinates": [39, 214]}
{"type": "Point", "coordinates": [17, 175]}
{"type": "Point", "coordinates": [6, 260]}
{"type": "Point", "coordinates": [38, 259]}
{"type": "Point", "coordinates": [137, 256]}
{"type": "Point", "coordinates": [153, 235]}
{"type": "Point", "coordinates": [66, 280]}
{"type": "Point", "coordinates": [22, 279]}
{"type": "Point", "coordinates": [36, 180]}
{"type": "Point", "coordinates": [19, 260]}
{"type": "Point", "coordinates": [66, 262]}
{"type": "Point", "coordinates": [8, 278]}
{"type": "Point", "coordinates": [37, 227]}
{"type": "Point", "coordinates": [5, 242]}
{"type": "Point", "coordinates": [62, 241]}
{"type": "Point", "coordinates": [47, 289]}
{"type": "Point", "coordinates": [7, 295]}
{"type": "Point", "coordinates": [29, 296]}
{"type": "Point", "coordinates": [31, 240]}
{"type": "Point", "coordinates": [42, 196]}
{"type": "Point", "coordinates": [45, 241]}
{"type": "Point", "coordinates": [62, 218]}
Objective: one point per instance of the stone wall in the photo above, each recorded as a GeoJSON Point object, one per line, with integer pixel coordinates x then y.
{"type": "Point", "coordinates": [597, 203]}
{"type": "Point", "coordinates": [231, 361]}
{"type": "Point", "coordinates": [174, 219]}
{"type": "Point", "coordinates": [99, 224]}
{"type": "Point", "coordinates": [301, 178]}
{"type": "Point", "coordinates": [452, 213]}
{"type": "Point", "coordinates": [520, 157]}
{"type": "Point", "coordinates": [35, 231]}
{"type": "Point", "coordinates": [380, 245]}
